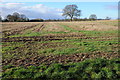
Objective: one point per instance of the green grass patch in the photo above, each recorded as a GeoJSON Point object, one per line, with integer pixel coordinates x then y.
{"type": "Point", "coordinates": [12, 49]}
{"type": "Point", "coordinates": [36, 34]}
{"type": "Point", "coordinates": [69, 29]}
{"type": "Point", "coordinates": [100, 33]}
{"type": "Point", "coordinates": [81, 47]}
{"type": "Point", "coordinates": [89, 69]}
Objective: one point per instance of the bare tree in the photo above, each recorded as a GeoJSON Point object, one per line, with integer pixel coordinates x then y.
{"type": "Point", "coordinates": [0, 18]}
{"type": "Point", "coordinates": [23, 17]}
{"type": "Point", "coordinates": [107, 18]}
{"type": "Point", "coordinates": [16, 17]}
{"type": "Point", "coordinates": [71, 11]}
{"type": "Point", "coordinates": [93, 17]}
{"type": "Point", "coordinates": [10, 18]}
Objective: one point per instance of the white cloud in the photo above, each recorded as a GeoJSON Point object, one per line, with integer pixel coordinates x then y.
{"type": "Point", "coordinates": [59, 10]}
{"type": "Point", "coordinates": [36, 11]}
{"type": "Point", "coordinates": [41, 8]}
{"type": "Point", "coordinates": [12, 5]}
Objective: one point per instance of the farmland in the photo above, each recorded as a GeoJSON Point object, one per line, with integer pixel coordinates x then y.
{"type": "Point", "coordinates": [50, 50]}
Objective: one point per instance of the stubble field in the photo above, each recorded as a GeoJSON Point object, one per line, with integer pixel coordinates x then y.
{"type": "Point", "coordinates": [60, 50]}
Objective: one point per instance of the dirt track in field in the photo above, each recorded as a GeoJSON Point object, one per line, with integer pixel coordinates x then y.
{"type": "Point", "coordinates": [40, 28]}
{"type": "Point", "coordinates": [18, 31]}
{"type": "Point", "coordinates": [51, 38]}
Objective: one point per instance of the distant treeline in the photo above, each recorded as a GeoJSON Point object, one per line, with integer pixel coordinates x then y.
{"type": "Point", "coordinates": [53, 20]}
{"type": "Point", "coordinates": [74, 19]}
{"type": "Point", "coordinates": [17, 17]}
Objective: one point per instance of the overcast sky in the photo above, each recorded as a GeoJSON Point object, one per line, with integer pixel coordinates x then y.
{"type": "Point", "coordinates": [53, 10]}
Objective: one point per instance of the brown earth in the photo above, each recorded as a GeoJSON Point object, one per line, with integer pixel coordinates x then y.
{"type": "Point", "coordinates": [51, 38]}
{"type": "Point", "coordinates": [49, 59]}
{"type": "Point", "coordinates": [17, 31]}
{"type": "Point", "coordinates": [40, 28]}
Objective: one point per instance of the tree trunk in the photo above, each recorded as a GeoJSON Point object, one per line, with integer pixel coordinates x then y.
{"type": "Point", "coordinates": [71, 19]}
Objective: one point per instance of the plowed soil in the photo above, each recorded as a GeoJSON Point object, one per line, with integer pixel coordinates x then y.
{"type": "Point", "coordinates": [37, 60]}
